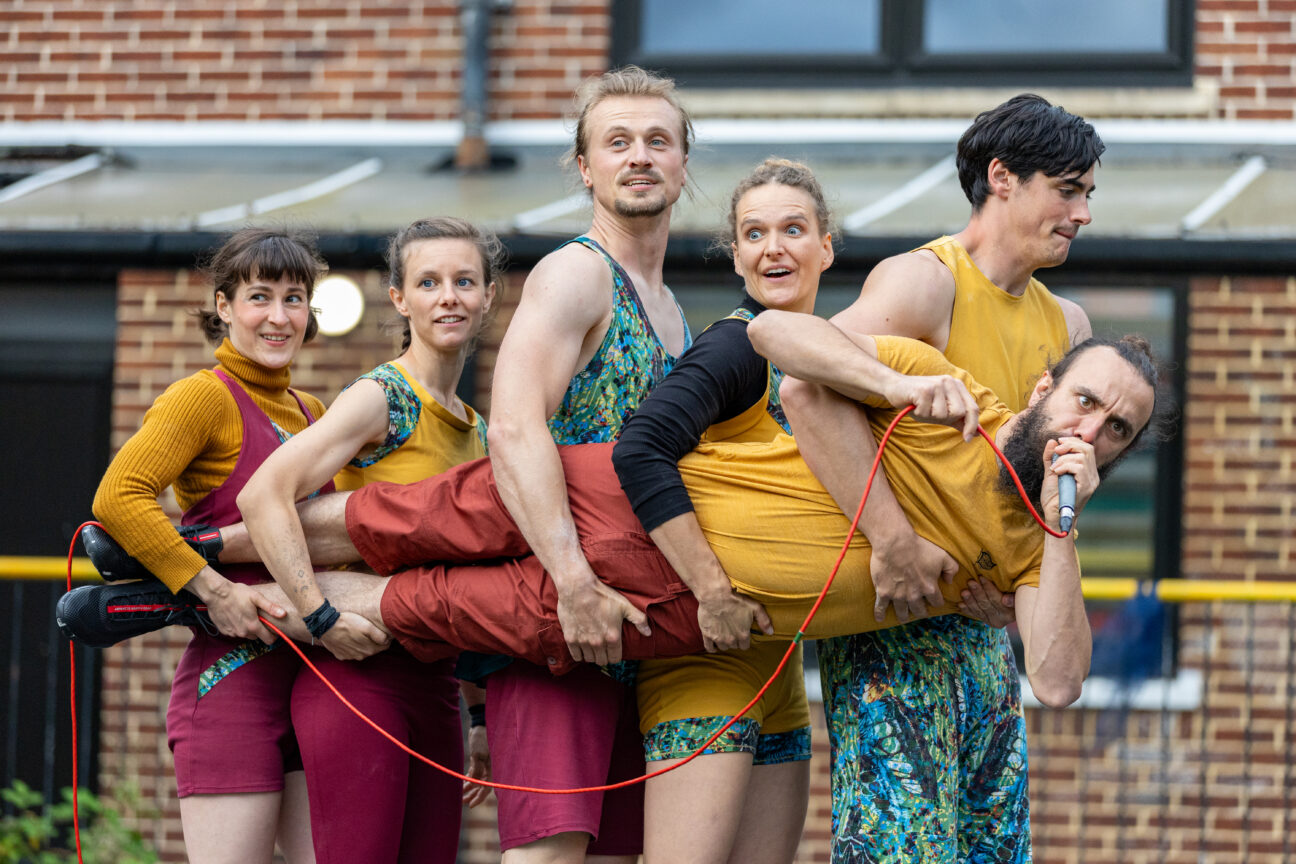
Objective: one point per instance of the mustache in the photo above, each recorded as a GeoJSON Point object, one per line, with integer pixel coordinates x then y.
{"type": "Point", "coordinates": [654, 176]}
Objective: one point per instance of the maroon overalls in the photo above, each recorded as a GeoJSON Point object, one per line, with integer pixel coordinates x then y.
{"type": "Point", "coordinates": [229, 722]}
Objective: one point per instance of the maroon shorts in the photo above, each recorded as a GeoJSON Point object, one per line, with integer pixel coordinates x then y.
{"type": "Point", "coordinates": [573, 732]}
{"type": "Point", "coordinates": [238, 736]}
{"type": "Point", "coordinates": [506, 604]}
{"type": "Point", "coordinates": [369, 801]}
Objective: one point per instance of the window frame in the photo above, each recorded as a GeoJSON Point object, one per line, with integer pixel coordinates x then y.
{"type": "Point", "coordinates": [901, 62]}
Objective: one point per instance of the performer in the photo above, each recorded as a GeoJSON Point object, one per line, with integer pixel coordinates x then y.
{"type": "Point", "coordinates": [595, 330]}
{"type": "Point", "coordinates": [400, 422]}
{"type": "Point", "coordinates": [746, 799]}
{"type": "Point", "coordinates": [205, 436]}
{"type": "Point", "coordinates": [773, 528]}
{"type": "Point", "coordinates": [929, 755]}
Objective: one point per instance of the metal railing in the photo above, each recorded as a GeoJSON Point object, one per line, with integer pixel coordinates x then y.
{"type": "Point", "coordinates": [1198, 765]}
{"type": "Point", "coordinates": [37, 743]}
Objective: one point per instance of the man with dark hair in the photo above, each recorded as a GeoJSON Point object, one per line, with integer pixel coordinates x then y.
{"type": "Point", "coordinates": [925, 721]}
{"type": "Point", "coordinates": [1030, 136]}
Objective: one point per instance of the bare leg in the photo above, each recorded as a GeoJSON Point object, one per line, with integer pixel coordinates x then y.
{"type": "Point", "coordinates": [294, 832]}
{"type": "Point", "coordinates": [774, 814]}
{"type": "Point", "coordinates": [565, 848]}
{"type": "Point", "coordinates": [230, 829]}
{"type": "Point", "coordinates": [692, 814]}
{"type": "Point", "coordinates": [323, 519]}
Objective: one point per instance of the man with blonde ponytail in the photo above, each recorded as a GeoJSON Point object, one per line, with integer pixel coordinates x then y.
{"type": "Point", "coordinates": [596, 329]}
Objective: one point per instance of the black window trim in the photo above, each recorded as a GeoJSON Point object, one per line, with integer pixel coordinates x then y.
{"type": "Point", "coordinates": [901, 61]}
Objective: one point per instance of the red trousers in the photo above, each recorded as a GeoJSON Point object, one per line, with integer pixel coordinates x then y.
{"type": "Point", "coordinates": [504, 603]}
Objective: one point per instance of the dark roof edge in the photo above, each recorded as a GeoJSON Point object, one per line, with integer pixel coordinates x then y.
{"type": "Point", "coordinates": [36, 254]}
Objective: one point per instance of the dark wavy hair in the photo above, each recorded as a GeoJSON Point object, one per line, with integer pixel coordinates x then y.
{"type": "Point", "coordinates": [1027, 134]}
{"type": "Point", "coordinates": [259, 253]}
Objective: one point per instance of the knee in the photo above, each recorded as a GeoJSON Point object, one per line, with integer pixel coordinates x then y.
{"type": "Point", "coordinates": [800, 398]}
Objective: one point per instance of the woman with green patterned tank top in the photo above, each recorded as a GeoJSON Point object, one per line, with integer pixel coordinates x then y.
{"type": "Point", "coordinates": [400, 423]}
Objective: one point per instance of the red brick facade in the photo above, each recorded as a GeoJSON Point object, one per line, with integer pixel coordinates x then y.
{"type": "Point", "coordinates": [305, 60]}
{"type": "Point", "coordinates": [1248, 47]}
{"type": "Point", "coordinates": [394, 60]}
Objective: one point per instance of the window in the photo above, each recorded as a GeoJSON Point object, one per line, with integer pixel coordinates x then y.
{"type": "Point", "coordinates": [56, 371]}
{"type": "Point", "coordinates": [758, 43]}
{"type": "Point", "coordinates": [1131, 526]}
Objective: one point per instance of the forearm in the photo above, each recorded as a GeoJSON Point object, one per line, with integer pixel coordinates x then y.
{"type": "Point", "coordinates": [814, 350]}
{"type": "Point", "coordinates": [530, 480]}
{"type": "Point", "coordinates": [835, 440]}
{"type": "Point", "coordinates": [682, 542]}
{"type": "Point", "coordinates": [276, 532]}
{"type": "Point", "coordinates": [1058, 642]}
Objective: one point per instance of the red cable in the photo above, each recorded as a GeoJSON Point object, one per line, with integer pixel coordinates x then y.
{"type": "Point", "coordinates": [76, 811]}
{"type": "Point", "coordinates": [800, 635]}
{"type": "Point", "coordinates": [1016, 482]}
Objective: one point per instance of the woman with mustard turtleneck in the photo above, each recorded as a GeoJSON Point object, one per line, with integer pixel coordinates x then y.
{"type": "Point", "coordinates": [229, 726]}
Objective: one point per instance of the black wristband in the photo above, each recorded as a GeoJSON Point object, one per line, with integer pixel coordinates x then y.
{"type": "Point", "coordinates": [476, 715]}
{"type": "Point", "coordinates": [321, 620]}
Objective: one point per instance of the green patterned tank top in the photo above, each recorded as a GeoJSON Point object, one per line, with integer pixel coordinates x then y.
{"type": "Point", "coordinates": [629, 363]}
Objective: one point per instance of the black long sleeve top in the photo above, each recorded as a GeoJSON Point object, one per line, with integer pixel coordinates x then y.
{"type": "Point", "coordinates": [717, 379]}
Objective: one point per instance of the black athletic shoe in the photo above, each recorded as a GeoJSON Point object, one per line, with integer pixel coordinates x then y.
{"type": "Point", "coordinates": [101, 615]}
{"type": "Point", "coordinates": [113, 564]}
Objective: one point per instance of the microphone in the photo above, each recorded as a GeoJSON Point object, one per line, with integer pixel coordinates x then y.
{"type": "Point", "coordinates": [1066, 500]}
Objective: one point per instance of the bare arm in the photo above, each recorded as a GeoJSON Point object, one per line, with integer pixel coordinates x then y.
{"type": "Point", "coordinates": [723, 614]}
{"type": "Point", "coordinates": [478, 749]}
{"type": "Point", "coordinates": [560, 319]}
{"type": "Point", "coordinates": [1077, 322]}
{"type": "Point", "coordinates": [301, 465]}
{"type": "Point", "coordinates": [1052, 620]}
{"type": "Point", "coordinates": [907, 295]}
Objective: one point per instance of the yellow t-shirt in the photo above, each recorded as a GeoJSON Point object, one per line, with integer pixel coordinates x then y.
{"type": "Point", "coordinates": [947, 488]}
{"type": "Point", "coordinates": [1005, 340]}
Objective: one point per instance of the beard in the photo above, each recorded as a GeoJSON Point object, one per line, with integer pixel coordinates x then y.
{"type": "Point", "coordinates": [1024, 450]}
{"type": "Point", "coordinates": [640, 208]}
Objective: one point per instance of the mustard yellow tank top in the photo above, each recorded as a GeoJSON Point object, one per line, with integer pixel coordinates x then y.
{"type": "Point", "coordinates": [423, 437]}
{"type": "Point", "coordinates": [1005, 341]}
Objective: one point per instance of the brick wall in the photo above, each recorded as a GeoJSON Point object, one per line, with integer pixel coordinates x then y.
{"type": "Point", "coordinates": [400, 59]}
{"type": "Point", "coordinates": [1213, 784]}
{"type": "Point", "coordinates": [1241, 440]}
{"type": "Point", "coordinates": [294, 60]}
{"type": "Point", "coordinates": [1248, 46]}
